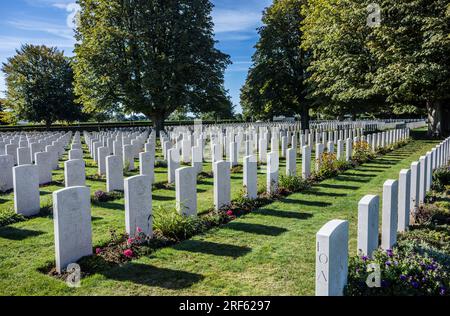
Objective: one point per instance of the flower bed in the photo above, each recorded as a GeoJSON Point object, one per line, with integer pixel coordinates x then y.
{"type": "Point", "coordinates": [420, 262]}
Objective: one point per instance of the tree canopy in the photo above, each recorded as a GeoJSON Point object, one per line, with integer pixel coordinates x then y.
{"type": "Point", "coordinates": [400, 66]}
{"type": "Point", "coordinates": [39, 85]}
{"type": "Point", "coordinates": [149, 56]}
{"type": "Point", "coordinates": [275, 82]}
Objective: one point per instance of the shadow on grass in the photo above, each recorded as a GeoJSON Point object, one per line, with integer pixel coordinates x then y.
{"type": "Point", "coordinates": [109, 205]}
{"type": "Point", "coordinates": [256, 228]}
{"type": "Point", "coordinates": [13, 233]}
{"type": "Point", "coordinates": [283, 214]}
{"type": "Point", "coordinates": [336, 186]}
{"type": "Point", "coordinates": [162, 198]}
{"type": "Point", "coordinates": [307, 203]}
{"type": "Point", "coordinates": [361, 175]}
{"type": "Point", "coordinates": [349, 178]}
{"type": "Point", "coordinates": [332, 194]}
{"type": "Point", "coordinates": [148, 275]}
{"type": "Point", "coordinates": [212, 248]}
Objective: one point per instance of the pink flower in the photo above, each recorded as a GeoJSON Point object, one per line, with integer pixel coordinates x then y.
{"type": "Point", "coordinates": [128, 253]}
{"type": "Point", "coordinates": [230, 213]}
{"type": "Point", "coordinates": [98, 251]}
{"type": "Point", "coordinates": [130, 241]}
{"type": "Point", "coordinates": [139, 230]}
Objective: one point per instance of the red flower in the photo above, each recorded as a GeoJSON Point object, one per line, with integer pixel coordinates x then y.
{"type": "Point", "coordinates": [130, 241]}
{"type": "Point", "coordinates": [230, 213]}
{"type": "Point", "coordinates": [98, 251]}
{"type": "Point", "coordinates": [128, 253]}
{"type": "Point", "coordinates": [139, 230]}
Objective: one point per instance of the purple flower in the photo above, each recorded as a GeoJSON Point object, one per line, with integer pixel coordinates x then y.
{"type": "Point", "coordinates": [388, 263]}
{"type": "Point", "coordinates": [415, 284]}
{"type": "Point", "coordinates": [365, 258]}
{"type": "Point", "coordinates": [442, 291]}
{"type": "Point", "coordinates": [403, 277]}
{"type": "Point", "coordinates": [389, 252]}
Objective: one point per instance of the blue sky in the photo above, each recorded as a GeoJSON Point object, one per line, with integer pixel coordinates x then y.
{"type": "Point", "coordinates": [46, 22]}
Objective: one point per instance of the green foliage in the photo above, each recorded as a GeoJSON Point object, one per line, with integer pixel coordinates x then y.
{"type": "Point", "coordinates": [274, 83]}
{"type": "Point", "coordinates": [403, 272]}
{"type": "Point", "coordinates": [8, 217]}
{"type": "Point", "coordinates": [361, 152]}
{"type": "Point", "coordinates": [175, 226]}
{"type": "Point", "coordinates": [39, 85]}
{"type": "Point", "coordinates": [402, 66]}
{"type": "Point", "coordinates": [294, 183]}
{"type": "Point", "coordinates": [328, 166]}
{"type": "Point", "coordinates": [152, 57]}
{"type": "Point", "coordinates": [441, 178]}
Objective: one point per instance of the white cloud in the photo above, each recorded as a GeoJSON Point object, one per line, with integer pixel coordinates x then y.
{"type": "Point", "coordinates": [226, 20]}
{"type": "Point", "coordinates": [29, 24]}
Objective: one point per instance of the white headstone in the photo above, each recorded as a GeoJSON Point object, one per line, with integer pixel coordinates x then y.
{"type": "Point", "coordinates": [251, 177]}
{"type": "Point", "coordinates": [26, 190]}
{"type": "Point", "coordinates": [368, 209]}
{"type": "Point", "coordinates": [186, 191]}
{"type": "Point", "coordinates": [332, 258]}
{"type": "Point", "coordinates": [404, 197]}
{"type": "Point", "coordinates": [72, 225]}
{"type": "Point", "coordinates": [114, 173]}
{"type": "Point", "coordinates": [390, 214]}
{"type": "Point", "coordinates": [138, 205]}
{"type": "Point", "coordinates": [222, 184]}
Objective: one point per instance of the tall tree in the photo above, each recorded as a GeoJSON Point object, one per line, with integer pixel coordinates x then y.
{"type": "Point", "coordinates": [39, 85]}
{"type": "Point", "coordinates": [275, 82]}
{"type": "Point", "coordinates": [149, 56]}
{"type": "Point", "coordinates": [341, 67]}
{"type": "Point", "coordinates": [412, 51]}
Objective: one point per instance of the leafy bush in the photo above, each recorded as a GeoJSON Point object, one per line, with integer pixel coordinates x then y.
{"type": "Point", "coordinates": [294, 183]}
{"type": "Point", "coordinates": [328, 166]}
{"type": "Point", "coordinates": [362, 152]}
{"type": "Point", "coordinates": [175, 226]}
{"type": "Point", "coordinates": [102, 197]}
{"type": "Point", "coordinates": [441, 178]}
{"type": "Point", "coordinates": [403, 272]}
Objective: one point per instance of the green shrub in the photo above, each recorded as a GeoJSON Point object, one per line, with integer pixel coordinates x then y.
{"type": "Point", "coordinates": [8, 217]}
{"type": "Point", "coordinates": [328, 166]}
{"type": "Point", "coordinates": [294, 183]}
{"type": "Point", "coordinates": [175, 226]}
{"type": "Point", "coordinates": [362, 152]}
{"type": "Point", "coordinates": [441, 178]}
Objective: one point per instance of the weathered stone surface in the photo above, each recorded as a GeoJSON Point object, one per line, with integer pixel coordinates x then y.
{"type": "Point", "coordinates": [306, 162]}
{"type": "Point", "coordinates": [138, 205]}
{"type": "Point", "coordinates": [114, 173]}
{"type": "Point", "coordinates": [186, 191]}
{"type": "Point", "coordinates": [404, 196]}
{"type": "Point", "coordinates": [251, 177]}
{"type": "Point", "coordinates": [332, 258]}
{"type": "Point", "coordinates": [222, 184]}
{"type": "Point", "coordinates": [72, 225]}
{"type": "Point", "coordinates": [390, 214]}
{"type": "Point", "coordinates": [75, 173]}
{"type": "Point", "coordinates": [6, 172]}
{"type": "Point", "coordinates": [368, 219]}
{"type": "Point", "coordinates": [272, 172]}
{"type": "Point", "coordinates": [26, 190]}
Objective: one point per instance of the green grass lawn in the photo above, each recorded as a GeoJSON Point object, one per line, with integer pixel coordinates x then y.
{"type": "Point", "coordinates": [268, 252]}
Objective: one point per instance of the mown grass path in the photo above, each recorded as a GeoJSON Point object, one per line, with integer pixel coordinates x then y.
{"type": "Point", "coordinates": [268, 252]}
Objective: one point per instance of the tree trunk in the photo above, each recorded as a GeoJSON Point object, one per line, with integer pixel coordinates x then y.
{"type": "Point", "coordinates": [434, 110]}
{"type": "Point", "coordinates": [48, 124]}
{"type": "Point", "coordinates": [158, 123]}
{"type": "Point", "coordinates": [305, 117]}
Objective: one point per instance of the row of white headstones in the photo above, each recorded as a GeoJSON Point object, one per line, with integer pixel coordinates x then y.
{"type": "Point", "coordinates": [400, 200]}
{"type": "Point", "coordinates": [138, 190]}
{"type": "Point", "coordinates": [72, 205]}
